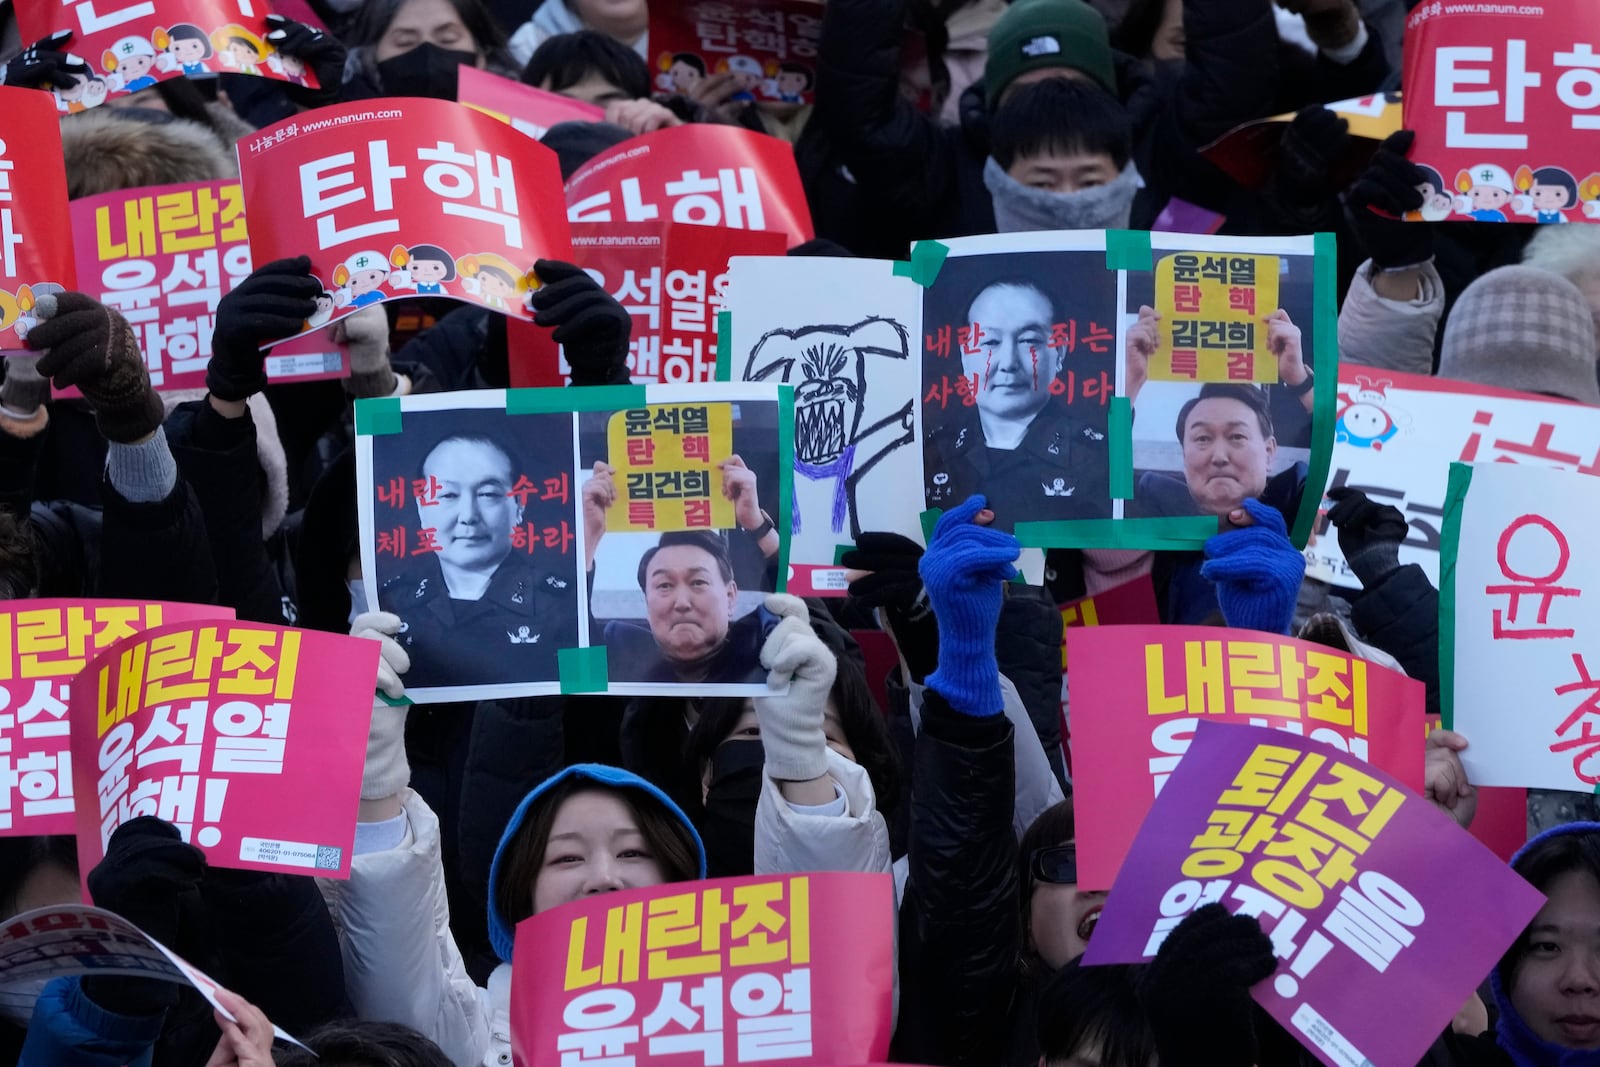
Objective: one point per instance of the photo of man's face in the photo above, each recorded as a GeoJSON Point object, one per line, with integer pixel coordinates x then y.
{"type": "Point", "coordinates": [1013, 362]}
{"type": "Point", "coordinates": [1226, 457]}
{"type": "Point", "coordinates": [688, 601]}
{"type": "Point", "coordinates": [474, 516]}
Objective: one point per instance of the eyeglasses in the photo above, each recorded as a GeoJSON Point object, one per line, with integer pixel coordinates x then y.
{"type": "Point", "coordinates": [1057, 864]}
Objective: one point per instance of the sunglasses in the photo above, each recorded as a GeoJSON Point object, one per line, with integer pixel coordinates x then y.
{"type": "Point", "coordinates": [1057, 864]}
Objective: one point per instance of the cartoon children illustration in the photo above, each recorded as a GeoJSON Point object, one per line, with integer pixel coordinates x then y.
{"type": "Point", "coordinates": [359, 280]}
{"type": "Point", "coordinates": [129, 62]}
{"type": "Point", "coordinates": [27, 300]}
{"type": "Point", "coordinates": [1485, 189]}
{"type": "Point", "coordinates": [240, 50]}
{"type": "Point", "coordinates": [289, 68]}
{"type": "Point", "coordinates": [187, 48]}
{"type": "Point", "coordinates": [493, 279]}
{"type": "Point", "coordinates": [1437, 203]}
{"type": "Point", "coordinates": [1545, 194]}
{"type": "Point", "coordinates": [680, 72]}
{"type": "Point", "coordinates": [86, 91]}
{"type": "Point", "coordinates": [794, 80]}
{"type": "Point", "coordinates": [325, 302]}
{"type": "Point", "coordinates": [747, 76]}
{"type": "Point", "coordinates": [1589, 193]}
{"type": "Point", "coordinates": [424, 268]}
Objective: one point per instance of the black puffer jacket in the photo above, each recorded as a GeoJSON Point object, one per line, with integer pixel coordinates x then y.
{"type": "Point", "coordinates": [1028, 647]}
{"type": "Point", "coordinates": [1400, 614]}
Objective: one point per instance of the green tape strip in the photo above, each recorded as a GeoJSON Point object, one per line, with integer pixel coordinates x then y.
{"type": "Point", "coordinates": [785, 481]}
{"type": "Point", "coordinates": [404, 701]}
{"type": "Point", "coordinates": [1128, 250]}
{"type": "Point", "coordinates": [583, 670]}
{"type": "Point", "coordinates": [838, 554]}
{"type": "Point", "coordinates": [377, 415]}
{"type": "Point", "coordinates": [927, 260]}
{"type": "Point", "coordinates": [724, 346]}
{"type": "Point", "coordinates": [587, 398]}
{"type": "Point", "coordinates": [1455, 500]}
{"type": "Point", "coordinates": [929, 520]}
{"type": "Point", "coordinates": [1324, 349]}
{"type": "Point", "coordinates": [1181, 532]}
{"type": "Point", "coordinates": [1119, 425]}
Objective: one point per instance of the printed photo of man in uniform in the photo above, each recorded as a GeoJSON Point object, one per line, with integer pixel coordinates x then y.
{"type": "Point", "coordinates": [474, 610]}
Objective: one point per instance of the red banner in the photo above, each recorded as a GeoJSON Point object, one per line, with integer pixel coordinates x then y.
{"type": "Point", "coordinates": [793, 969]}
{"type": "Point", "coordinates": [769, 46]}
{"type": "Point", "coordinates": [149, 41]}
{"type": "Point", "coordinates": [249, 738]}
{"type": "Point", "coordinates": [164, 256]}
{"type": "Point", "coordinates": [1505, 99]}
{"type": "Point", "coordinates": [403, 197]}
{"type": "Point", "coordinates": [532, 111]}
{"type": "Point", "coordinates": [35, 241]}
{"type": "Point", "coordinates": [696, 174]}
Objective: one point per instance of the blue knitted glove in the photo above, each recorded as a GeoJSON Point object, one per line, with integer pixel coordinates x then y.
{"type": "Point", "coordinates": [1257, 572]}
{"type": "Point", "coordinates": [965, 570]}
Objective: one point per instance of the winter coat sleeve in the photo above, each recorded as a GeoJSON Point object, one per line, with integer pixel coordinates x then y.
{"type": "Point", "coordinates": [1230, 70]}
{"type": "Point", "coordinates": [157, 550]}
{"type": "Point", "coordinates": [400, 962]}
{"type": "Point", "coordinates": [1400, 614]}
{"type": "Point", "coordinates": [67, 1029]}
{"type": "Point", "coordinates": [1390, 334]}
{"type": "Point", "coordinates": [789, 841]}
{"type": "Point", "coordinates": [1030, 657]}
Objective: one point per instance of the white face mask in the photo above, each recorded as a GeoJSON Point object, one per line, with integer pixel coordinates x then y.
{"type": "Point", "coordinates": [358, 597]}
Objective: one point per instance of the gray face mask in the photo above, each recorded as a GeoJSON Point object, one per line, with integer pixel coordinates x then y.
{"type": "Point", "coordinates": [1021, 208]}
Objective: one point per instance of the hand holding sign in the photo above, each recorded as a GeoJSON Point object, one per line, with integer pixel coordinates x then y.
{"type": "Point", "coordinates": [1144, 337]}
{"type": "Point", "coordinates": [1197, 991]}
{"type": "Point", "coordinates": [1447, 780]}
{"type": "Point", "coordinates": [246, 1038]}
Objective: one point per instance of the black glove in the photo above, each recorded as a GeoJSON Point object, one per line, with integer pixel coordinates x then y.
{"type": "Point", "coordinates": [91, 346]}
{"type": "Point", "coordinates": [590, 325]}
{"type": "Point", "coordinates": [1370, 533]}
{"type": "Point", "coordinates": [152, 879]}
{"type": "Point", "coordinates": [1391, 185]}
{"type": "Point", "coordinates": [42, 65]}
{"type": "Point", "coordinates": [1196, 992]}
{"type": "Point", "coordinates": [895, 585]}
{"type": "Point", "coordinates": [1308, 156]}
{"type": "Point", "coordinates": [274, 302]}
{"type": "Point", "coordinates": [321, 52]}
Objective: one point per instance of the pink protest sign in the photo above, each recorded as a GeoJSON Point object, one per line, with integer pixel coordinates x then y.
{"type": "Point", "coordinates": [533, 111]}
{"type": "Point", "coordinates": [43, 646]}
{"type": "Point", "coordinates": [249, 738]}
{"type": "Point", "coordinates": [1383, 912]}
{"type": "Point", "coordinates": [1138, 692]}
{"type": "Point", "coordinates": [784, 969]}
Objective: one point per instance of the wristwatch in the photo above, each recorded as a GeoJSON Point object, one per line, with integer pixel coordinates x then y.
{"type": "Point", "coordinates": [1305, 386]}
{"type": "Point", "coordinates": [765, 528]}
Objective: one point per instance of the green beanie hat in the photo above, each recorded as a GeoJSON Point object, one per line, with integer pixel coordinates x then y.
{"type": "Point", "coordinates": [1045, 35]}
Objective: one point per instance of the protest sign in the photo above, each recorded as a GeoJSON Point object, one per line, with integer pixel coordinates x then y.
{"type": "Point", "coordinates": [149, 41]}
{"type": "Point", "coordinates": [786, 969]}
{"type": "Point", "coordinates": [768, 47]}
{"type": "Point", "coordinates": [526, 109]}
{"type": "Point", "coordinates": [1126, 744]}
{"type": "Point", "coordinates": [1248, 153]}
{"type": "Point", "coordinates": [1513, 626]}
{"type": "Point", "coordinates": [841, 332]}
{"type": "Point", "coordinates": [35, 240]}
{"type": "Point", "coordinates": [1397, 434]}
{"type": "Point", "coordinates": [434, 199]}
{"type": "Point", "coordinates": [1501, 820]}
{"type": "Point", "coordinates": [702, 175]}
{"type": "Point", "coordinates": [1129, 604]}
{"type": "Point", "coordinates": [1505, 102]}
{"type": "Point", "coordinates": [522, 558]}
{"type": "Point", "coordinates": [43, 646]}
{"type": "Point", "coordinates": [249, 738]}
{"type": "Point", "coordinates": [164, 256]}
{"type": "Point", "coordinates": [1371, 895]}
{"type": "Point", "coordinates": [1211, 307]}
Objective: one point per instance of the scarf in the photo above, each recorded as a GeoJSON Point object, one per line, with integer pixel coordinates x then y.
{"type": "Point", "coordinates": [1021, 208]}
{"type": "Point", "coordinates": [839, 469]}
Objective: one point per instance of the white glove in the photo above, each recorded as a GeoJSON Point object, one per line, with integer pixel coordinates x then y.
{"type": "Point", "coordinates": [393, 660]}
{"type": "Point", "coordinates": [386, 772]}
{"type": "Point", "coordinates": [791, 725]}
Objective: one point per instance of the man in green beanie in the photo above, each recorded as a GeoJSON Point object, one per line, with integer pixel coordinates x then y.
{"type": "Point", "coordinates": [1039, 39]}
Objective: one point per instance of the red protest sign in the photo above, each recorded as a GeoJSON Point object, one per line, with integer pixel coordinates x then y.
{"type": "Point", "coordinates": [532, 111]}
{"type": "Point", "coordinates": [164, 256]}
{"type": "Point", "coordinates": [249, 738]}
{"type": "Point", "coordinates": [783, 969]}
{"type": "Point", "coordinates": [43, 646]}
{"type": "Point", "coordinates": [1138, 693]}
{"type": "Point", "coordinates": [768, 46]}
{"type": "Point", "coordinates": [149, 41]}
{"type": "Point", "coordinates": [696, 174]}
{"type": "Point", "coordinates": [1505, 100]}
{"type": "Point", "coordinates": [431, 199]}
{"type": "Point", "coordinates": [35, 241]}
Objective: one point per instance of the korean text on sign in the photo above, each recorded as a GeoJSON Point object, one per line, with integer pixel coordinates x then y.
{"type": "Point", "coordinates": [768, 47]}
{"type": "Point", "coordinates": [667, 458]}
{"type": "Point", "coordinates": [1212, 306]}
{"type": "Point", "coordinates": [975, 347]}
{"type": "Point", "coordinates": [414, 513]}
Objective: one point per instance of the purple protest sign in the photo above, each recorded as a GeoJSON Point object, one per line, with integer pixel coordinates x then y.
{"type": "Point", "coordinates": [1374, 898]}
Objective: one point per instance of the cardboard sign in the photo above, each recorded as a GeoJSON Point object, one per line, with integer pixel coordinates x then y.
{"type": "Point", "coordinates": [1501, 821]}
{"type": "Point", "coordinates": [35, 241]}
{"type": "Point", "coordinates": [139, 44]}
{"type": "Point", "coordinates": [1126, 744]}
{"type": "Point", "coordinates": [475, 530]}
{"type": "Point", "coordinates": [696, 174]}
{"type": "Point", "coordinates": [164, 256]}
{"type": "Point", "coordinates": [524, 108]}
{"type": "Point", "coordinates": [1211, 308]}
{"type": "Point", "coordinates": [1397, 434]}
{"type": "Point", "coordinates": [249, 738]}
{"type": "Point", "coordinates": [769, 46]}
{"type": "Point", "coordinates": [1505, 100]}
{"type": "Point", "coordinates": [433, 199]}
{"type": "Point", "coordinates": [1371, 895]}
{"type": "Point", "coordinates": [786, 969]}
{"type": "Point", "coordinates": [44, 644]}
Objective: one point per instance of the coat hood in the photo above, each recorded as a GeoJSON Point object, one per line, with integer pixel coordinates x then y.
{"type": "Point", "coordinates": [501, 934]}
{"type": "Point", "coordinates": [106, 153]}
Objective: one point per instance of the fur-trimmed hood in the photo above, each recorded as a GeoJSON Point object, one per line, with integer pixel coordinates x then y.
{"type": "Point", "coordinates": [105, 152]}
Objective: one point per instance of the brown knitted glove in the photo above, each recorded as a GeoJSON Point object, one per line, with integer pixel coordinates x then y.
{"type": "Point", "coordinates": [92, 347]}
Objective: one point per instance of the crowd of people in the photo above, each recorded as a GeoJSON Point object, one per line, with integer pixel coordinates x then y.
{"type": "Point", "coordinates": [1032, 115]}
